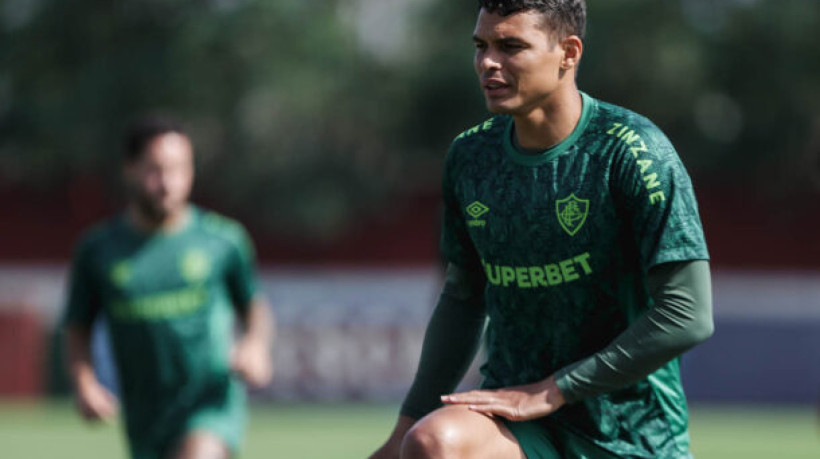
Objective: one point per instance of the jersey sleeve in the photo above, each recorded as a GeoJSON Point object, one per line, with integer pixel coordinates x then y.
{"type": "Point", "coordinates": [655, 192]}
{"type": "Point", "coordinates": [84, 300]}
{"type": "Point", "coordinates": [456, 245]}
{"type": "Point", "coordinates": [241, 273]}
{"type": "Point", "coordinates": [681, 319]}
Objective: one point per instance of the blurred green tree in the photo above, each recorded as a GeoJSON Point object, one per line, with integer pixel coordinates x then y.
{"type": "Point", "coordinates": [312, 114]}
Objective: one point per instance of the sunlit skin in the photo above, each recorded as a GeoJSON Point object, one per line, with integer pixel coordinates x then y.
{"type": "Point", "coordinates": [159, 182]}
{"type": "Point", "coordinates": [527, 72]}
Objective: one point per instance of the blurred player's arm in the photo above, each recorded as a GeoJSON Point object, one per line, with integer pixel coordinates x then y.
{"type": "Point", "coordinates": [252, 358]}
{"type": "Point", "coordinates": [450, 344]}
{"type": "Point", "coordinates": [93, 400]}
{"type": "Point", "coordinates": [680, 319]}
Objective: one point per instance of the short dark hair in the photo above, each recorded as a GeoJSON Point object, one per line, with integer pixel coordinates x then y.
{"type": "Point", "coordinates": [144, 128]}
{"type": "Point", "coordinates": [563, 17]}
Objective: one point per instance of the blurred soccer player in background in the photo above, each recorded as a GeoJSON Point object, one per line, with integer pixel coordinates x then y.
{"type": "Point", "coordinates": [572, 225]}
{"type": "Point", "coordinates": [170, 279]}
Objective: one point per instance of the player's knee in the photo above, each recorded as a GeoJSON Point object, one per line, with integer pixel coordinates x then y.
{"type": "Point", "coordinates": [434, 438]}
{"type": "Point", "coordinates": [202, 446]}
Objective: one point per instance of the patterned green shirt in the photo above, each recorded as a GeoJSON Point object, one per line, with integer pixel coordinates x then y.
{"type": "Point", "coordinates": [565, 239]}
{"type": "Point", "coordinates": [170, 302]}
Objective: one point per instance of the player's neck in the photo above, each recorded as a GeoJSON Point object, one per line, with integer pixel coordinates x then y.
{"type": "Point", "coordinates": [169, 223]}
{"type": "Point", "coordinates": [550, 123]}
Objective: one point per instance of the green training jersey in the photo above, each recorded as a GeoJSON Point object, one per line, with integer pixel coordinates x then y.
{"type": "Point", "coordinates": [170, 301]}
{"type": "Point", "coordinates": [565, 238]}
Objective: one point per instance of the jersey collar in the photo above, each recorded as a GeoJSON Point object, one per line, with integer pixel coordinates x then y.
{"type": "Point", "coordinates": [588, 109]}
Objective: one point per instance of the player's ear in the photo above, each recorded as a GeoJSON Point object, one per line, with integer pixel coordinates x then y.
{"type": "Point", "coordinates": [573, 48]}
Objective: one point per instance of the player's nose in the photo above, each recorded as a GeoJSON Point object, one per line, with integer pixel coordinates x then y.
{"type": "Point", "coordinates": [488, 62]}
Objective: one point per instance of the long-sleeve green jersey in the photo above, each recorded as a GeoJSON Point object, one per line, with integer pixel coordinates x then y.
{"type": "Point", "coordinates": [565, 239]}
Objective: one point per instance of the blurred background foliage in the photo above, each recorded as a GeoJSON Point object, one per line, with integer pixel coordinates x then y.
{"type": "Point", "coordinates": [313, 114]}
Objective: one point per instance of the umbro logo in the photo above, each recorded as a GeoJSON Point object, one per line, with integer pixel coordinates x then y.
{"type": "Point", "coordinates": [476, 210]}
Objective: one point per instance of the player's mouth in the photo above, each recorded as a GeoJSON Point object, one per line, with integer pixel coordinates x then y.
{"type": "Point", "coordinates": [495, 87]}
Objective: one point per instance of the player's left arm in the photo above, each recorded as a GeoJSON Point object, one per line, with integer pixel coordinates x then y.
{"type": "Point", "coordinates": [657, 203]}
{"type": "Point", "coordinates": [251, 358]}
{"type": "Point", "coordinates": [680, 319]}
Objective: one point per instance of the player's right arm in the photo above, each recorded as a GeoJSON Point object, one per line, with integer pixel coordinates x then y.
{"type": "Point", "coordinates": [450, 344]}
{"type": "Point", "coordinates": [93, 400]}
{"type": "Point", "coordinates": [454, 332]}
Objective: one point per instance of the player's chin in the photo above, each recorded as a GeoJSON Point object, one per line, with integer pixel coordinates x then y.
{"type": "Point", "coordinates": [500, 107]}
{"type": "Point", "coordinates": [152, 208]}
{"type": "Point", "coordinates": [170, 206]}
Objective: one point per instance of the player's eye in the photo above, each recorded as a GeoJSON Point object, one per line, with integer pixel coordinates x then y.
{"type": "Point", "coordinates": [512, 47]}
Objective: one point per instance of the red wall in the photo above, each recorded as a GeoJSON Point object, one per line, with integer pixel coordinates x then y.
{"type": "Point", "coordinates": [742, 230]}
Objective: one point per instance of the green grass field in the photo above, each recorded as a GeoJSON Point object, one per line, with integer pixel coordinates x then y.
{"type": "Point", "coordinates": [352, 431]}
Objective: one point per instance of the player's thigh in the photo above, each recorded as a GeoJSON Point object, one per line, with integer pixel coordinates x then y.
{"type": "Point", "coordinates": [456, 432]}
{"type": "Point", "coordinates": [201, 445]}
{"type": "Point", "coordinates": [223, 414]}
{"type": "Point", "coordinates": [537, 441]}
{"type": "Point", "coordinates": [574, 445]}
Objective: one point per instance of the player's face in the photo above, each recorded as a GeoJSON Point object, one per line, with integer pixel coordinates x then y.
{"type": "Point", "coordinates": [160, 180]}
{"type": "Point", "coordinates": [517, 61]}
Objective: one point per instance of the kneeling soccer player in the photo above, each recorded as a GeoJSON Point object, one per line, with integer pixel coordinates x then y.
{"type": "Point", "coordinates": [571, 225]}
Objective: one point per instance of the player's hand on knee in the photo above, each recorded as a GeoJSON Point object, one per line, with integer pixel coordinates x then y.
{"type": "Point", "coordinates": [516, 403]}
{"type": "Point", "coordinates": [95, 402]}
{"type": "Point", "coordinates": [252, 361]}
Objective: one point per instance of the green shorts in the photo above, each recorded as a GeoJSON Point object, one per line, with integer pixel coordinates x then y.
{"type": "Point", "coordinates": [549, 440]}
{"type": "Point", "coordinates": [220, 411]}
